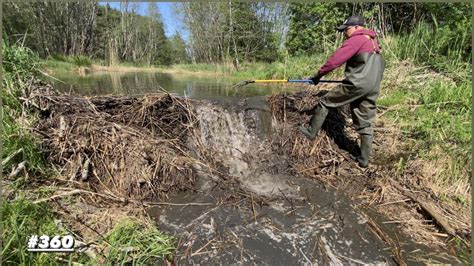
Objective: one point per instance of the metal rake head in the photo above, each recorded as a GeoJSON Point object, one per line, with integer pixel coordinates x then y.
{"type": "Point", "coordinates": [242, 83]}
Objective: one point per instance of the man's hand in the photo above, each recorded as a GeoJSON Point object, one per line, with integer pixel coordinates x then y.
{"type": "Point", "coordinates": [315, 79]}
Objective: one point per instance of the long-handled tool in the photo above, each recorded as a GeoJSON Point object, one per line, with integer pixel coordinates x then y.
{"type": "Point", "coordinates": [245, 82]}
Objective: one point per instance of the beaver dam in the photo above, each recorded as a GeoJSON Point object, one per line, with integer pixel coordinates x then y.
{"type": "Point", "coordinates": [237, 183]}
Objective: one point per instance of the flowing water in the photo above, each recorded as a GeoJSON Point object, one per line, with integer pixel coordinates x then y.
{"type": "Point", "coordinates": [301, 223]}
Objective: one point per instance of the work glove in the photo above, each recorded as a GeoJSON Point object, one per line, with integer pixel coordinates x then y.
{"type": "Point", "coordinates": [315, 79]}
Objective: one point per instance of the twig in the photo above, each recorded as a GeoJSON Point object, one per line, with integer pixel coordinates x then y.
{"type": "Point", "coordinates": [11, 156]}
{"type": "Point", "coordinates": [381, 129]}
{"type": "Point", "coordinates": [253, 210]}
{"type": "Point", "coordinates": [76, 191]}
{"type": "Point", "coordinates": [393, 202]}
{"type": "Point", "coordinates": [18, 169]}
{"type": "Point", "coordinates": [353, 260]}
{"type": "Point", "coordinates": [48, 75]}
{"type": "Point", "coordinates": [201, 248]}
{"type": "Point", "coordinates": [304, 255]}
{"type": "Point", "coordinates": [85, 170]}
{"type": "Point", "coordinates": [406, 221]}
{"type": "Point", "coordinates": [69, 193]}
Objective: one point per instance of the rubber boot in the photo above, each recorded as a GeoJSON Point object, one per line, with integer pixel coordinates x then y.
{"type": "Point", "coordinates": [316, 122]}
{"type": "Point", "coordinates": [365, 150]}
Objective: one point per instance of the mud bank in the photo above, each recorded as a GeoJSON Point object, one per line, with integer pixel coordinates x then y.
{"type": "Point", "coordinates": [234, 183]}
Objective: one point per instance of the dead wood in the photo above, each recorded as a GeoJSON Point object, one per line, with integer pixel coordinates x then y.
{"type": "Point", "coordinates": [127, 146]}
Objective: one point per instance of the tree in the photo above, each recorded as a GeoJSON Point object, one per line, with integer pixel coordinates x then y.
{"type": "Point", "coordinates": [313, 26]}
{"type": "Point", "coordinates": [178, 47]}
{"type": "Point", "coordinates": [233, 30]}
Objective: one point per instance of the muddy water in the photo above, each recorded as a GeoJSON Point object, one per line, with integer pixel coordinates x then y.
{"type": "Point", "coordinates": [296, 222]}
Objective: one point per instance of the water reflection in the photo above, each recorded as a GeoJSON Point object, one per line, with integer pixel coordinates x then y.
{"type": "Point", "coordinates": [129, 83]}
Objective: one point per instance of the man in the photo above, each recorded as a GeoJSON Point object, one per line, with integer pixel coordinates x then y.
{"type": "Point", "coordinates": [360, 88]}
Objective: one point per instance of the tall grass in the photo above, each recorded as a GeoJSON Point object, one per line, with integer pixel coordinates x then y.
{"type": "Point", "coordinates": [438, 47]}
{"type": "Point", "coordinates": [82, 61]}
{"type": "Point", "coordinates": [20, 64]}
{"type": "Point", "coordinates": [438, 110]}
{"type": "Point", "coordinates": [437, 113]}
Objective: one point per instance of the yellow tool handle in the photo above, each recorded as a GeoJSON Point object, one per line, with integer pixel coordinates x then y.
{"type": "Point", "coordinates": [271, 80]}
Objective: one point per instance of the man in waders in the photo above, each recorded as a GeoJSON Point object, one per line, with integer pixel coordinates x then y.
{"type": "Point", "coordinates": [360, 88]}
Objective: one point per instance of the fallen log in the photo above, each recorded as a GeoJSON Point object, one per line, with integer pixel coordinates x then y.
{"type": "Point", "coordinates": [429, 207]}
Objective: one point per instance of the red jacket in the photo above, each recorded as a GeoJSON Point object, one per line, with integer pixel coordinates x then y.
{"type": "Point", "coordinates": [356, 44]}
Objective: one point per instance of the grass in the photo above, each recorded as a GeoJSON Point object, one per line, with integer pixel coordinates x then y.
{"type": "Point", "coordinates": [291, 68]}
{"type": "Point", "coordinates": [20, 220]}
{"type": "Point", "coordinates": [20, 64]}
{"type": "Point", "coordinates": [136, 242]}
{"type": "Point", "coordinates": [56, 65]}
{"type": "Point", "coordinates": [437, 113]}
{"type": "Point", "coordinates": [440, 48]}
{"type": "Point", "coordinates": [61, 63]}
{"type": "Point", "coordinates": [81, 61]}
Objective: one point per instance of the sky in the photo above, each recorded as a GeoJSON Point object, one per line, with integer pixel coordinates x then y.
{"type": "Point", "coordinates": [170, 21]}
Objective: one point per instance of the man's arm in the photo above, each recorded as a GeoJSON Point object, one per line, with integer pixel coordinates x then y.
{"type": "Point", "coordinates": [340, 56]}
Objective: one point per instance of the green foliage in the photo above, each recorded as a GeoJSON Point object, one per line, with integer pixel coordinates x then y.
{"type": "Point", "coordinates": [313, 26]}
{"type": "Point", "coordinates": [55, 65]}
{"type": "Point", "coordinates": [435, 47]}
{"type": "Point", "coordinates": [394, 98]}
{"type": "Point", "coordinates": [254, 43]}
{"type": "Point", "coordinates": [438, 115]}
{"type": "Point", "coordinates": [87, 29]}
{"type": "Point", "coordinates": [19, 61]}
{"type": "Point", "coordinates": [166, 56]}
{"type": "Point", "coordinates": [82, 61]}
{"type": "Point", "coordinates": [133, 241]}
{"type": "Point", "coordinates": [20, 220]}
{"type": "Point", "coordinates": [59, 57]}
{"type": "Point", "coordinates": [19, 66]}
{"type": "Point", "coordinates": [178, 47]}
{"type": "Point", "coordinates": [16, 137]}
{"type": "Point", "coordinates": [445, 113]}
{"type": "Point", "coordinates": [231, 32]}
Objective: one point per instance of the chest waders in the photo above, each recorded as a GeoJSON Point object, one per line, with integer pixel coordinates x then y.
{"type": "Point", "coordinates": [360, 89]}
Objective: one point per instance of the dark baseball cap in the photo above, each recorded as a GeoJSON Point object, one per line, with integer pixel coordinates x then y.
{"type": "Point", "coordinates": [351, 21]}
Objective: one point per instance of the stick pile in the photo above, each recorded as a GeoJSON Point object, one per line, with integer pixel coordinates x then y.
{"type": "Point", "coordinates": [329, 156]}
{"type": "Point", "coordinates": [128, 147]}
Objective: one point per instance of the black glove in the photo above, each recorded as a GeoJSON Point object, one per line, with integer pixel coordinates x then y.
{"type": "Point", "coordinates": [315, 79]}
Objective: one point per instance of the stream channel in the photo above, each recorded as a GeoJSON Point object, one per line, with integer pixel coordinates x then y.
{"type": "Point", "coordinates": [302, 223]}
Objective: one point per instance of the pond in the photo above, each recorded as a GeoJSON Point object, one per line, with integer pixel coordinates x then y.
{"type": "Point", "coordinates": [216, 88]}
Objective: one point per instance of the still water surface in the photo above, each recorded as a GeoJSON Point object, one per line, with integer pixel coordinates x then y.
{"type": "Point", "coordinates": [132, 83]}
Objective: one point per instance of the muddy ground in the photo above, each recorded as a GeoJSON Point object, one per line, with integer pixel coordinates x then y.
{"type": "Point", "coordinates": [239, 183]}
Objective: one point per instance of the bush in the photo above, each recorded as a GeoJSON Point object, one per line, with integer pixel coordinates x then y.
{"type": "Point", "coordinates": [82, 61]}
{"type": "Point", "coordinates": [19, 61]}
